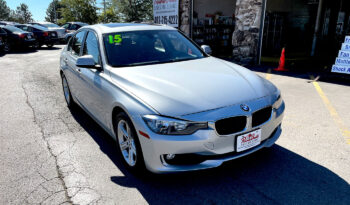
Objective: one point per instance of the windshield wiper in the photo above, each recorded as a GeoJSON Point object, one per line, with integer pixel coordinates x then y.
{"type": "Point", "coordinates": [142, 63]}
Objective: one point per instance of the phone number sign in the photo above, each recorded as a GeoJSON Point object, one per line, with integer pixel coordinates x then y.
{"type": "Point", "coordinates": [166, 12]}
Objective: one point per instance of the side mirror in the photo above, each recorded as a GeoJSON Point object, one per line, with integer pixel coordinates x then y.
{"type": "Point", "coordinates": [86, 61]}
{"type": "Point", "coordinates": [206, 49]}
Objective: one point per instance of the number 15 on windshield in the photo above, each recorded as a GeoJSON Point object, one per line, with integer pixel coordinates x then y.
{"type": "Point", "coordinates": [116, 39]}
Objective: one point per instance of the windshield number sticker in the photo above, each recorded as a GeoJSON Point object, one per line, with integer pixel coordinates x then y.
{"type": "Point", "coordinates": [116, 39]}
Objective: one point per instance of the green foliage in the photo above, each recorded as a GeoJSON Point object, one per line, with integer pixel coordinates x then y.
{"type": "Point", "coordinates": [135, 10]}
{"type": "Point", "coordinates": [109, 16]}
{"type": "Point", "coordinates": [109, 13]}
{"type": "Point", "coordinates": [4, 11]}
{"type": "Point", "coordinates": [78, 10]}
{"type": "Point", "coordinates": [53, 12]}
{"type": "Point", "coordinates": [22, 14]}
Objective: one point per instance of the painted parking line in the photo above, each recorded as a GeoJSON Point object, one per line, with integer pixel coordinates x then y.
{"type": "Point", "coordinates": [268, 74]}
{"type": "Point", "coordinates": [332, 110]}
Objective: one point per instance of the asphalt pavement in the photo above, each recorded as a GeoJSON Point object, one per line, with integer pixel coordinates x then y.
{"type": "Point", "coordinates": [50, 155]}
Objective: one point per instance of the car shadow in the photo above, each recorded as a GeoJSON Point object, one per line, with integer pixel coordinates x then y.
{"type": "Point", "coordinates": [47, 48]}
{"type": "Point", "coordinates": [270, 176]}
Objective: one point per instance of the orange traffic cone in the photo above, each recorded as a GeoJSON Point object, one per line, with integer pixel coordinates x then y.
{"type": "Point", "coordinates": [282, 62]}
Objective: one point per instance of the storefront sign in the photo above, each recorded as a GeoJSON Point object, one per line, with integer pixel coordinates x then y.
{"type": "Point", "coordinates": [342, 63]}
{"type": "Point", "coordinates": [345, 47]}
{"type": "Point", "coordinates": [166, 12]}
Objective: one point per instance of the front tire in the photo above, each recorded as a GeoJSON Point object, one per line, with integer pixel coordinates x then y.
{"type": "Point", "coordinates": [50, 45]}
{"type": "Point", "coordinates": [128, 144]}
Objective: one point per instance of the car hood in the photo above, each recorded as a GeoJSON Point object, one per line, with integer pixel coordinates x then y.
{"type": "Point", "coordinates": [175, 89]}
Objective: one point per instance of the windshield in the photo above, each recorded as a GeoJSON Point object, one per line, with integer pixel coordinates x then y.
{"type": "Point", "coordinates": [148, 47]}
{"type": "Point", "coordinates": [50, 25]}
{"type": "Point", "coordinates": [14, 29]}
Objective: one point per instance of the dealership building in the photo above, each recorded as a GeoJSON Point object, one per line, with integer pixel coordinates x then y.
{"type": "Point", "coordinates": [255, 31]}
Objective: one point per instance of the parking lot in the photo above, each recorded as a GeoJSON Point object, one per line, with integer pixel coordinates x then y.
{"type": "Point", "coordinates": [50, 155]}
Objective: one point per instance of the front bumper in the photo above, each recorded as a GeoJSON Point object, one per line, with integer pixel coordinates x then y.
{"type": "Point", "coordinates": [205, 143]}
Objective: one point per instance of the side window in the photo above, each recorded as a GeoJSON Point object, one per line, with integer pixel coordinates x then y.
{"type": "Point", "coordinates": [76, 43]}
{"type": "Point", "coordinates": [65, 26]}
{"type": "Point", "coordinates": [91, 47]}
{"type": "Point", "coordinates": [2, 31]}
{"type": "Point", "coordinates": [74, 27]}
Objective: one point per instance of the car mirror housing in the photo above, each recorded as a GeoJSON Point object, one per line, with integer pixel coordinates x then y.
{"type": "Point", "coordinates": [206, 49]}
{"type": "Point", "coordinates": [86, 61]}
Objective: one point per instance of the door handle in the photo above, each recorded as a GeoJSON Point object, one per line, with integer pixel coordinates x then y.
{"type": "Point", "coordinates": [78, 70]}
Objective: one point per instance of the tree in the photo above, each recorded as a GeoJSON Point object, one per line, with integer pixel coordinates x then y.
{"type": "Point", "coordinates": [4, 11]}
{"type": "Point", "coordinates": [78, 10]}
{"type": "Point", "coordinates": [22, 14]}
{"type": "Point", "coordinates": [135, 10]}
{"type": "Point", "coordinates": [109, 13]}
{"type": "Point", "coordinates": [53, 11]}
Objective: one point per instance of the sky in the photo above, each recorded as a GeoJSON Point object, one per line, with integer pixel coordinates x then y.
{"type": "Point", "coordinates": [36, 7]}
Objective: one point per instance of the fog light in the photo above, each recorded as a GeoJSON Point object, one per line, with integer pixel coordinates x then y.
{"type": "Point", "coordinates": [170, 156]}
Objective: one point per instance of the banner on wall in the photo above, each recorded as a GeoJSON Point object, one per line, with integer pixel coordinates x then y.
{"type": "Point", "coordinates": [166, 12]}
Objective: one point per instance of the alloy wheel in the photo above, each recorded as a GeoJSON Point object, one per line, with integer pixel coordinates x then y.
{"type": "Point", "coordinates": [127, 143]}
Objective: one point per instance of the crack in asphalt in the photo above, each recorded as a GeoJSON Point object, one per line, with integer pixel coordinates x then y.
{"type": "Point", "coordinates": [59, 173]}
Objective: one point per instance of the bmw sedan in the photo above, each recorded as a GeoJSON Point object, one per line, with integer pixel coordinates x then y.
{"type": "Point", "coordinates": [169, 105]}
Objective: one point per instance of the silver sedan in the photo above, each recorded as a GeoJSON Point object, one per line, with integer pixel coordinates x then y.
{"type": "Point", "coordinates": [169, 105]}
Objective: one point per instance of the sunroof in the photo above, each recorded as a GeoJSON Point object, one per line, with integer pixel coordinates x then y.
{"type": "Point", "coordinates": [113, 25]}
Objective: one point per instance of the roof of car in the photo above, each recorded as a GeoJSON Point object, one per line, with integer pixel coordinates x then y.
{"type": "Point", "coordinates": [120, 27]}
{"type": "Point", "coordinates": [79, 23]}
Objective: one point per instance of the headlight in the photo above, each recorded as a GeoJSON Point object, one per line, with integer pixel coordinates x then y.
{"type": "Point", "coordinates": [170, 126]}
{"type": "Point", "coordinates": [278, 100]}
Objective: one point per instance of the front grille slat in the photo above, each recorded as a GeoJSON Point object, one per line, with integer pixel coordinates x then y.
{"type": "Point", "coordinates": [261, 116]}
{"type": "Point", "coordinates": [231, 125]}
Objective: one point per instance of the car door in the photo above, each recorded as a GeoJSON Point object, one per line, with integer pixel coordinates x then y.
{"type": "Point", "coordinates": [94, 92]}
{"type": "Point", "coordinates": [72, 73]}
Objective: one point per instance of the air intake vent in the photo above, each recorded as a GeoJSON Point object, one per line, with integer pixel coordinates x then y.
{"type": "Point", "coordinates": [261, 116]}
{"type": "Point", "coordinates": [230, 125]}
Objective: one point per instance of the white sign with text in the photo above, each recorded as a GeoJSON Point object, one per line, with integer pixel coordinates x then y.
{"type": "Point", "coordinates": [342, 63]}
{"type": "Point", "coordinates": [166, 12]}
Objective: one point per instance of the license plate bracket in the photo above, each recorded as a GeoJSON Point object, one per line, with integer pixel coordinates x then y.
{"type": "Point", "coordinates": [248, 140]}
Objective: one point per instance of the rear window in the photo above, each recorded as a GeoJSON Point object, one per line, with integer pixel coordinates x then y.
{"type": "Point", "coordinates": [14, 29]}
{"type": "Point", "coordinates": [41, 28]}
{"type": "Point", "coordinates": [50, 25]}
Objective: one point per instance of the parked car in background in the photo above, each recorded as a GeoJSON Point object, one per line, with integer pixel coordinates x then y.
{"type": "Point", "coordinates": [42, 35]}
{"type": "Point", "coordinates": [4, 23]}
{"type": "Point", "coordinates": [17, 38]}
{"type": "Point", "coordinates": [3, 38]}
{"type": "Point", "coordinates": [169, 105]}
{"type": "Point", "coordinates": [71, 27]}
{"type": "Point", "coordinates": [61, 32]}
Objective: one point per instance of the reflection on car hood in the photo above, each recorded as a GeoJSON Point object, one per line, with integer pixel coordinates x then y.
{"type": "Point", "coordinates": [180, 88]}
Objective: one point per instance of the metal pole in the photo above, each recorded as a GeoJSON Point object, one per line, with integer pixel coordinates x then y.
{"type": "Point", "coordinates": [54, 8]}
{"type": "Point", "coordinates": [261, 33]}
{"type": "Point", "coordinates": [317, 27]}
{"type": "Point", "coordinates": [191, 19]}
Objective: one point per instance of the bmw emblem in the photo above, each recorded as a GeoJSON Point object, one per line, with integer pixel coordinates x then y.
{"type": "Point", "coordinates": [245, 107]}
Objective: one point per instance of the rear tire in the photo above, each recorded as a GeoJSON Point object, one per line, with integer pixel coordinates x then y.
{"type": "Point", "coordinates": [67, 94]}
{"type": "Point", "coordinates": [128, 144]}
{"type": "Point", "coordinates": [7, 47]}
{"type": "Point", "coordinates": [37, 45]}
